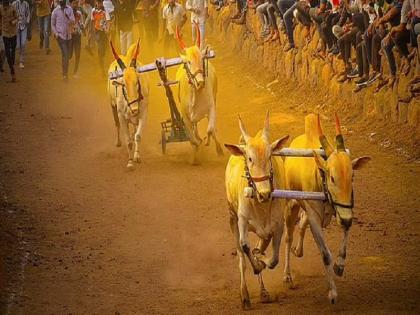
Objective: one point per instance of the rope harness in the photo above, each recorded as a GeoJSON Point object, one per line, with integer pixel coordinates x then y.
{"type": "Point", "coordinates": [252, 180]}
{"type": "Point", "coordinates": [204, 71]}
{"type": "Point", "coordinates": [330, 199]}
{"type": "Point", "coordinates": [138, 100]}
{"type": "Point", "coordinates": [192, 76]}
{"type": "Point", "coordinates": [124, 92]}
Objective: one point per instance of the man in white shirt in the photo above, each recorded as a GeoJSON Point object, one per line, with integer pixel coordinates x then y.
{"type": "Point", "coordinates": [199, 14]}
{"type": "Point", "coordinates": [174, 16]}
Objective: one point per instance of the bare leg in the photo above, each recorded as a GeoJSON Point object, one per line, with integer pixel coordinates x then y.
{"type": "Point", "coordinates": [139, 132]}
{"type": "Point", "coordinates": [190, 131]}
{"type": "Point", "coordinates": [315, 224]}
{"type": "Point", "coordinates": [196, 160]}
{"type": "Point", "coordinates": [290, 228]}
{"type": "Point", "coordinates": [245, 301]}
{"type": "Point", "coordinates": [257, 265]}
{"type": "Point", "coordinates": [129, 142]}
{"type": "Point", "coordinates": [274, 260]}
{"type": "Point", "coordinates": [261, 246]}
{"type": "Point", "coordinates": [303, 224]}
{"type": "Point", "coordinates": [339, 263]}
{"type": "Point", "coordinates": [196, 134]}
{"type": "Point", "coordinates": [219, 149]}
{"type": "Point", "coordinates": [211, 131]}
{"type": "Point", "coordinates": [117, 124]}
{"type": "Point", "coordinates": [264, 295]}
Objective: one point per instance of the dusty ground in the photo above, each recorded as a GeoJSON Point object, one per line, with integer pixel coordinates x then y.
{"type": "Point", "coordinates": [81, 235]}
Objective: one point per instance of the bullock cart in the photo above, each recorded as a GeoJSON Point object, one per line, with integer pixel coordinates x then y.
{"type": "Point", "coordinates": [173, 128]}
{"type": "Point", "coordinates": [296, 194]}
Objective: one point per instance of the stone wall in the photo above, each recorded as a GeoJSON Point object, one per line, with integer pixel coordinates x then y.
{"type": "Point", "coordinates": [314, 73]}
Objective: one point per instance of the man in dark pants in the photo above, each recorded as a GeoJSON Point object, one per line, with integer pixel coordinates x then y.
{"type": "Point", "coordinates": [394, 17]}
{"type": "Point", "coordinates": [286, 8]}
{"type": "Point", "coordinates": [124, 15]}
{"type": "Point", "coordinates": [351, 36]}
{"type": "Point", "coordinates": [147, 17]}
{"type": "Point", "coordinates": [76, 36]}
{"type": "Point", "coordinates": [400, 36]}
{"type": "Point", "coordinates": [101, 29]}
{"type": "Point", "coordinates": [61, 20]}
{"type": "Point", "coordinates": [8, 21]}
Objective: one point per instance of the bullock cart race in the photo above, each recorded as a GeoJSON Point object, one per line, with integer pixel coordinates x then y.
{"type": "Point", "coordinates": [190, 165]}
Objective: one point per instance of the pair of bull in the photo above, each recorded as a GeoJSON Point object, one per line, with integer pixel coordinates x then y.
{"type": "Point", "coordinates": [197, 89]}
{"type": "Point", "coordinates": [254, 164]}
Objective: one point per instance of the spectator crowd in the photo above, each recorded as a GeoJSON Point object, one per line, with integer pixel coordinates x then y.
{"type": "Point", "coordinates": [362, 33]}
{"type": "Point", "coordinates": [97, 23]}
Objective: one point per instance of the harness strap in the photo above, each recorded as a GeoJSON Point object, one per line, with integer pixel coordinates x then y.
{"type": "Point", "coordinates": [261, 179]}
{"type": "Point", "coordinates": [252, 180]}
{"type": "Point", "coordinates": [192, 76]}
{"type": "Point", "coordinates": [135, 101]}
{"type": "Point", "coordinates": [329, 198]}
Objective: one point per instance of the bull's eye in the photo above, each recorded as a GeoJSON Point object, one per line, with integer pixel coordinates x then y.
{"type": "Point", "coordinates": [249, 159]}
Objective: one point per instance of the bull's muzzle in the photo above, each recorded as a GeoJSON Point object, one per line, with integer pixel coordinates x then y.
{"type": "Point", "coordinates": [263, 195]}
{"type": "Point", "coordinates": [344, 217]}
{"type": "Point", "coordinates": [200, 81]}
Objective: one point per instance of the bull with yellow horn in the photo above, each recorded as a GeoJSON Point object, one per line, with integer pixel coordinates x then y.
{"type": "Point", "coordinates": [129, 95]}
{"type": "Point", "coordinates": [197, 90]}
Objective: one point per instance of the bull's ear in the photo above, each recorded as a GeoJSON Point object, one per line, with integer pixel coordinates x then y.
{"type": "Point", "coordinates": [235, 149]}
{"type": "Point", "coordinates": [320, 162]}
{"type": "Point", "coordinates": [360, 162]}
{"type": "Point", "coordinates": [279, 144]}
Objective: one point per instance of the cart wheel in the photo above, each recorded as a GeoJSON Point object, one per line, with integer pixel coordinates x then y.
{"type": "Point", "coordinates": [163, 142]}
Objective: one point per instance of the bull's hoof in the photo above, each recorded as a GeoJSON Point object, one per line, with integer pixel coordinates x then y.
{"type": "Point", "coordinates": [246, 304]}
{"type": "Point", "coordinates": [118, 143]}
{"type": "Point", "coordinates": [339, 270]}
{"type": "Point", "coordinates": [288, 281]}
{"type": "Point", "coordinates": [265, 296]}
{"type": "Point", "coordinates": [332, 296]}
{"type": "Point", "coordinates": [260, 267]}
{"type": "Point", "coordinates": [130, 165]}
{"type": "Point", "coordinates": [298, 252]}
{"type": "Point", "coordinates": [137, 157]}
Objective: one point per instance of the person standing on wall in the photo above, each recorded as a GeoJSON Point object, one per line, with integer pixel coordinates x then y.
{"type": "Point", "coordinates": [24, 18]}
{"type": "Point", "coordinates": [199, 14]}
{"type": "Point", "coordinates": [62, 19]}
{"type": "Point", "coordinates": [8, 22]}
{"type": "Point", "coordinates": [43, 13]}
{"type": "Point", "coordinates": [124, 11]}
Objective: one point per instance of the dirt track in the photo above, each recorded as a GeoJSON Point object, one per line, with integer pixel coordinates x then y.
{"type": "Point", "coordinates": [84, 236]}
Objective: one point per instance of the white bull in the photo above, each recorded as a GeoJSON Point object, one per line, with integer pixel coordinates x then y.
{"type": "Point", "coordinates": [253, 165]}
{"type": "Point", "coordinates": [129, 97]}
{"type": "Point", "coordinates": [197, 90]}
